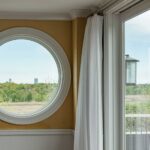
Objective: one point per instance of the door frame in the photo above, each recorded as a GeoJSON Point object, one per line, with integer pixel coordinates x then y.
{"type": "Point", "coordinates": [114, 70]}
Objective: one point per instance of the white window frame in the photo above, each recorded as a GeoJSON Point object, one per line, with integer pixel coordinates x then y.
{"type": "Point", "coordinates": [62, 63]}
{"type": "Point", "coordinates": [112, 128]}
{"type": "Point", "coordinates": [114, 69]}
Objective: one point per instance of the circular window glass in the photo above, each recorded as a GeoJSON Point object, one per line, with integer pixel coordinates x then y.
{"type": "Point", "coordinates": [35, 75]}
{"type": "Point", "coordinates": [29, 77]}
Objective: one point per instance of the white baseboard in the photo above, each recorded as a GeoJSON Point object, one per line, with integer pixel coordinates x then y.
{"type": "Point", "coordinates": [56, 139]}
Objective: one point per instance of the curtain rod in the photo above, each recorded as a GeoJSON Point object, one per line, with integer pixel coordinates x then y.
{"type": "Point", "coordinates": [96, 10]}
{"type": "Point", "coordinates": [134, 4]}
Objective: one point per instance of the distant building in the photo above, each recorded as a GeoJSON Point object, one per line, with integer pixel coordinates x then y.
{"type": "Point", "coordinates": [35, 80]}
{"type": "Point", "coordinates": [10, 80]}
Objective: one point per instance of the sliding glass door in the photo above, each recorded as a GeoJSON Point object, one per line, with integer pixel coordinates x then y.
{"type": "Point", "coordinates": [137, 82]}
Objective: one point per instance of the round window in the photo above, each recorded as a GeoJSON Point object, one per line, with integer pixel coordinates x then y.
{"type": "Point", "coordinates": [34, 75]}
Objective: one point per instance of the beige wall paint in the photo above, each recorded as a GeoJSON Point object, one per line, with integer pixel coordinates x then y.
{"type": "Point", "coordinates": [69, 34]}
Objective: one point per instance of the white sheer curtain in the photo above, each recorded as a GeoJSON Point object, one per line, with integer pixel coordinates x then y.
{"type": "Point", "coordinates": [89, 122]}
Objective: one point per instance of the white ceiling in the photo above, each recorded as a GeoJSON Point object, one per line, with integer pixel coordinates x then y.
{"type": "Point", "coordinates": [49, 7]}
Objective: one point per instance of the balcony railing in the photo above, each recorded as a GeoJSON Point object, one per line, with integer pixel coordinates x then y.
{"type": "Point", "coordinates": [137, 131]}
{"type": "Point", "coordinates": [137, 123]}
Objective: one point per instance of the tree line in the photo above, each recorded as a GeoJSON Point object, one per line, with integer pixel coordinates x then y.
{"type": "Point", "coordinates": [12, 92]}
{"type": "Point", "coordinates": [140, 89]}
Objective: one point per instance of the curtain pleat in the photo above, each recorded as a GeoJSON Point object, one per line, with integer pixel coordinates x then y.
{"type": "Point", "coordinates": [89, 121]}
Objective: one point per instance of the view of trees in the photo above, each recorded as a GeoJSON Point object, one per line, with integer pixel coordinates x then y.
{"type": "Point", "coordinates": [138, 99]}
{"type": "Point", "coordinates": [140, 89]}
{"type": "Point", "coordinates": [12, 92]}
{"type": "Point", "coordinates": [137, 102]}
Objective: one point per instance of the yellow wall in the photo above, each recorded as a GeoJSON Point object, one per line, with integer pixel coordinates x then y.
{"type": "Point", "coordinates": [64, 33]}
{"type": "Point", "coordinates": [78, 26]}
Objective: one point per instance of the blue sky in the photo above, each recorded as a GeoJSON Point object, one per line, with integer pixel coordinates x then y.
{"type": "Point", "coordinates": [137, 44]}
{"type": "Point", "coordinates": [23, 60]}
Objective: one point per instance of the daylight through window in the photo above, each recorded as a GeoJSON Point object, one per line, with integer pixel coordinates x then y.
{"type": "Point", "coordinates": [29, 77]}
{"type": "Point", "coordinates": [35, 75]}
{"type": "Point", "coordinates": [137, 97]}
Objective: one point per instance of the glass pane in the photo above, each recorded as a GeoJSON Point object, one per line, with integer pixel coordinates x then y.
{"type": "Point", "coordinates": [137, 97]}
{"type": "Point", "coordinates": [29, 77]}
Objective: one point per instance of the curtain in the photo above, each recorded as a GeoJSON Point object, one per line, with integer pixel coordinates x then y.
{"type": "Point", "coordinates": [89, 121]}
